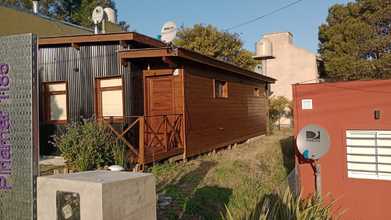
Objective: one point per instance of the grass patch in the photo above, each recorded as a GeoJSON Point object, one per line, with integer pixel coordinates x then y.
{"type": "Point", "coordinates": [237, 179]}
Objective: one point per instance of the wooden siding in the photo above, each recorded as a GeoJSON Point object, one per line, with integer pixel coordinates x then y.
{"type": "Point", "coordinates": [216, 122]}
{"type": "Point", "coordinates": [163, 95]}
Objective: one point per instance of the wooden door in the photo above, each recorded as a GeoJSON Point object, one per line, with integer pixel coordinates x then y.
{"type": "Point", "coordinates": [159, 99]}
{"type": "Point", "coordinates": [159, 95]}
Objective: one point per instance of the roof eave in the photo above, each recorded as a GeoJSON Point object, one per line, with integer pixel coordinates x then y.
{"type": "Point", "coordinates": [99, 38]}
{"type": "Point", "coordinates": [193, 56]}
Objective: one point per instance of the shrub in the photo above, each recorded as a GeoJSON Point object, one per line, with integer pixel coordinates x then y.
{"type": "Point", "coordinates": [288, 206]}
{"type": "Point", "coordinates": [279, 107]}
{"type": "Point", "coordinates": [89, 145]}
{"type": "Point", "coordinates": [119, 153]}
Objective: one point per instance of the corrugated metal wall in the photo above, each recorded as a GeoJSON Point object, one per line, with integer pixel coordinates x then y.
{"type": "Point", "coordinates": [79, 68]}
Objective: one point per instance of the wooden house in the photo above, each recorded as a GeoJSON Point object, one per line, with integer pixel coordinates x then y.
{"type": "Point", "coordinates": [160, 101]}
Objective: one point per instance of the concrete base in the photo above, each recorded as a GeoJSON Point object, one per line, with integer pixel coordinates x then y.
{"type": "Point", "coordinates": [104, 195]}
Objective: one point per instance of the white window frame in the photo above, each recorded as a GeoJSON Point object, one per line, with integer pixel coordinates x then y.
{"type": "Point", "coordinates": [53, 89]}
{"type": "Point", "coordinates": [109, 85]}
{"type": "Point", "coordinates": [368, 154]}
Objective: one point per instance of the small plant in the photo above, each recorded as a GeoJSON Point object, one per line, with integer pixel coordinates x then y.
{"type": "Point", "coordinates": [288, 206]}
{"type": "Point", "coordinates": [279, 107]}
{"type": "Point", "coordinates": [88, 145]}
{"type": "Point", "coordinates": [119, 153]}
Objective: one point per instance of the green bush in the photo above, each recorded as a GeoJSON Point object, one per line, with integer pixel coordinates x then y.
{"type": "Point", "coordinates": [283, 206]}
{"type": "Point", "coordinates": [279, 107]}
{"type": "Point", "coordinates": [89, 145]}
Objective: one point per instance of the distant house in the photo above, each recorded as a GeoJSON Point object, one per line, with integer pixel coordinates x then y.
{"type": "Point", "coordinates": [289, 65]}
{"type": "Point", "coordinates": [15, 21]}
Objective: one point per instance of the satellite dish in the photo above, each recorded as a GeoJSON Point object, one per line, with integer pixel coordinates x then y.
{"type": "Point", "coordinates": [313, 142]}
{"type": "Point", "coordinates": [98, 15]}
{"type": "Point", "coordinates": [168, 32]}
{"type": "Point", "coordinates": [111, 15]}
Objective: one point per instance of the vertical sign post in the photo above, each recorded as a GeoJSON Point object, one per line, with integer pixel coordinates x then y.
{"type": "Point", "coordinates": [19, 131]}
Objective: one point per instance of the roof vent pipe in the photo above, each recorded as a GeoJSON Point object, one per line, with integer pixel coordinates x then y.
{"type": "Point", "coordinates": [35, 6]}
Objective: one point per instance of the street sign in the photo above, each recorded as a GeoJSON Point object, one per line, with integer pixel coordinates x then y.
{"type": "Point", "coordinates": [19, 131]}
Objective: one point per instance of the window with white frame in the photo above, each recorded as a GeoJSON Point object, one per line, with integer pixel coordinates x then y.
{"type": "Point", "coordinates": [368, 154]}
{"type": "Point", "coordinates": [109, 97]}
{"type": "Point", "coordinates": [56, 102]}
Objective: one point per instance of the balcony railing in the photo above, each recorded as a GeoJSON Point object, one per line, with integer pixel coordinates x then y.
{"type": "Point", "coordinates": [149, 138]}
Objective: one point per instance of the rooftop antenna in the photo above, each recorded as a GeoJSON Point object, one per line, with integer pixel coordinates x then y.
{"type": "Point", "coordinates": [168, 32]}
{"type": "Point", "coordinates": [313, 142]}
{"type": "Point", "coordinates": [97, 18]}
{"type": "Point", "coordinates": [35, 6]}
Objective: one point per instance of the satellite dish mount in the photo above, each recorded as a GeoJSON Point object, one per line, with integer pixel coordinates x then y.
{"type": "Point", "coordinates": [313, 142]}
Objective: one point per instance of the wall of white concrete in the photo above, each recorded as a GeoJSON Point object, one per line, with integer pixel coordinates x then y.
{"type": "Point", "coordinates": [291, 64]}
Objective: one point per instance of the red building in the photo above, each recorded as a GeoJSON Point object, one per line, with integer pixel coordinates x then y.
{"type": "Point", "coordinates": [357, 169]}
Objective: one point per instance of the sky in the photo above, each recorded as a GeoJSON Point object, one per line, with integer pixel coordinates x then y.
{"type": "Point", "coordinates": [302, 19]}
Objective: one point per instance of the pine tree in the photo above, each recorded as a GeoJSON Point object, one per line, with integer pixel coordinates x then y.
{"type": "Point", "coordinates": [355, 42]}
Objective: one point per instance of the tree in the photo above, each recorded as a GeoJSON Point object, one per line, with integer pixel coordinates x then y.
{"type": "Point", "coordinates": [355, 41]}
{"type": "Point", "coordinates": [279, 107]}
{"type": "Point", "coordinates": [79, 11]}
{"type": "Point", "coordinates": [210, 41]}
{"type": "Point", "coordinates": [25, 4]}
{"type": "Point", "coordinates": [72, 11]}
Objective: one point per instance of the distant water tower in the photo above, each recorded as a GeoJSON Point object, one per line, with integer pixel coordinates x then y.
{"type": "Point", "coordinates": [263, 52]}
{"type": "Point", "coordinates": [111, 15]}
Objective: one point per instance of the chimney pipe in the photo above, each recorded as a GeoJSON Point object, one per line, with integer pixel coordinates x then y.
{"type": "Point", "coordinates": [35, 6]}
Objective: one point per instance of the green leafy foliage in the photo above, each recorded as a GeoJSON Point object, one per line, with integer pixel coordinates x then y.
{"type": "Point", "coordinates": [355, 41]}
{"type": "Point", "coordinates": [89, 145]}
{"type": "Point", "coordinates": [286, 205]}
{"type": "Point", "coordinates": [73, 11]}
{"type": "Point", "coordinates": [279, 106]}
{"type": "Point", "coordinates": [213, 42]}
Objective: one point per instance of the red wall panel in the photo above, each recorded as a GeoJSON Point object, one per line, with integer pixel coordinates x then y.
{"type": "Point", "coordinates": [339, 107]}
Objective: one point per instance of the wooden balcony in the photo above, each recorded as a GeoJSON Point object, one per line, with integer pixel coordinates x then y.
{"type": "Point", "coordinates": [149, 138]}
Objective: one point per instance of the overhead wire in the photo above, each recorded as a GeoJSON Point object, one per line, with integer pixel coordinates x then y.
{"type": "Point", "coordinates": [264, 15]}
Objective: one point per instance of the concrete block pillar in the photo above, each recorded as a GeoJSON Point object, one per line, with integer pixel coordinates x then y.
{"type": "Point", "coordinates": [97, 195]}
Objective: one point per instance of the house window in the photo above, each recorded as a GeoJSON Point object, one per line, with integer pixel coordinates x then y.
{"type": "Point", "coordinates": [56, 102]}
{"type": "Point", "coordinates": [109, 101]}
{"type": "Point", "coordinates": [257, 92]}
{"type": "Point", "coordinates": [220, 89]}
{"type": "Point", "coordinates": [368, 154]}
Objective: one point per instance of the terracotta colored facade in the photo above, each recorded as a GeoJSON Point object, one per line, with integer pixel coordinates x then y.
{"type": "Point", "coordinates": [339, 107]}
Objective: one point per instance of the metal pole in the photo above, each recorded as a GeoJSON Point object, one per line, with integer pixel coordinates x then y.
{"type": "Point", "coordinates": [96, 30]}
{"type": "Point", "coordinates": [318, 179]}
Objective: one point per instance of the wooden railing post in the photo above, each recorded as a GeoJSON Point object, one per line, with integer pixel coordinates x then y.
{"type": "Point", "coordinates": [141, 140]}
{"type": "Point", "coordinates": [165, 118]}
